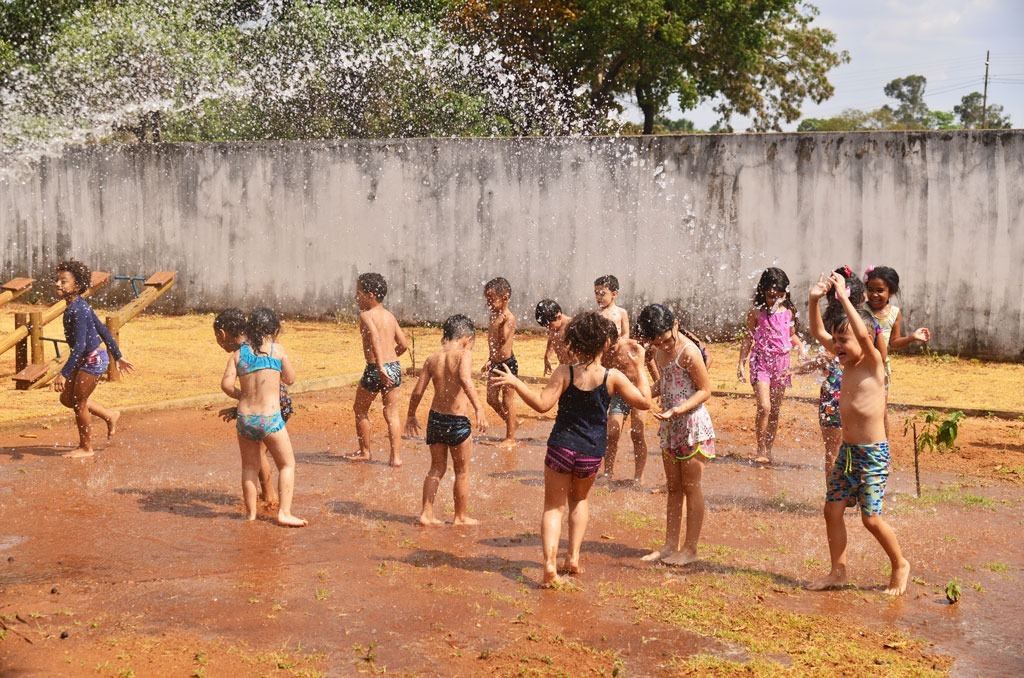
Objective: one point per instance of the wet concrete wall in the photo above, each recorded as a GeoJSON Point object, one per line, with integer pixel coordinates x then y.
{"type": "Point", "coordinates": [688, 219]}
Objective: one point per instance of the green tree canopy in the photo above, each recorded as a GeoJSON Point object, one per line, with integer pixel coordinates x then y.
{"type": "Point", "coordinates": [912, 111]}
{"type": "Point", "coordinates": [971, 113]}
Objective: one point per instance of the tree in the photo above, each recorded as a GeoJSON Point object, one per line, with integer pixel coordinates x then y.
{"type": "Point", "coordinates": [970, 113]}
{"type": "Point", "coordinates": [912, 111]}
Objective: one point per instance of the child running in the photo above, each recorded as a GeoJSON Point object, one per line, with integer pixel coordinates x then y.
{"type": "Point", "coordinates": [448, 427]}
{"type": "Point", "coordinates": [861, 470]}
{"type": "Point", "coordinates": [687, 436]}
{"type": "Point", "coordinates": [549, 316]}
{"type": "Point", "coordinates": [578, 438]}
{"type": "Point", "coordinates": [622, 355]}
{"type": "Point", "coordinates": [229, 329]}
{"type": "Point", "coordinates": [606, 291]}
{"type": "Point", "coordinates": [501, 330]}
{"type": "Point", "coordinates": [260, 365]}
{"type": "Point", "coordinates": [383, 342]}
{"type": "Point", "coordinates": [87, 361]}
{"type": "Point", "coordinates": [771, 335]}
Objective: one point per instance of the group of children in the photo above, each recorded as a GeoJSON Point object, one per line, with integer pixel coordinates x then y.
{"type": "Point", "coordinates": [605, 371]}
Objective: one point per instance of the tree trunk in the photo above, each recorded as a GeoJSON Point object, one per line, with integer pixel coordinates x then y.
{"type": "Point", "coordinates": [647, 105]}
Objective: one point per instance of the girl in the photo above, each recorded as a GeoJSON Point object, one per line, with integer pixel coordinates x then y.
{"type": "Point", "coordinates": [687, 436]}
{"type": "Point", "coordinates": [577, 442]}
{"type": "Point", "coordinates": [771, 335]}
{"type": "Point", "coordinates": [260, 366]}
{"type": "Point", "coordinates": [87, 362]}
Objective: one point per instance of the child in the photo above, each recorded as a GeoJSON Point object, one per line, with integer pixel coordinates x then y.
{"type": "Point", "coordinates": [860, 472]}
{"type": "Point", "coordinates": [88, 361]}
{"type": "Point", "coordinates": [229, 329]}
{"type": "Point", "coordinates": [606, 290]}
{"type": "Point", "coordinates": [549, 316]}
{"type": "Point", "coordinates": [771, 335]}
{"type": "Point", "coordinates": [622, 355]}
{"type": "Point", "coordinates": [687, 436]}
{"type": "Point", "coordinates": [260, 365]}
{"type": "Point", "coordinates": [448, 427]}
{"type": "Point", "coordinates": [383, 342]}
{"type": "Point", "coordinates": [501, 330]}
{"type": "Point", "coordinates": [577, 441]}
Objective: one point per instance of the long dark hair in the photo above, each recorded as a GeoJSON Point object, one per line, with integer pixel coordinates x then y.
{"type": "Point", "coordinates": [262, 323]}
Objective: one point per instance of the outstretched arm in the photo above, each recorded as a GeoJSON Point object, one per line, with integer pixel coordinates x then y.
{"type": "Point", "coordinates": [898, 341]}
{"type": "Point", "coordinates": [541, 402]}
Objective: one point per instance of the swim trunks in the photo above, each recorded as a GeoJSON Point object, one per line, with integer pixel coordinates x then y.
{"type": "Point", "coordinates": [859, 476]}
{"type": "Point", "coordinates": [371, 377]}
{"type": "Point", "coordinates": [258, 426]}
{"type": "Point", "coordinates": [511, 363]}
{"type": "Point", "coordinates": [705, 448]}
{"type": "Point", "coordinates": [563, 460]}
{"type": "Point", "coordinates": [447, 429]}
{"type": "Point", "coordinates": [618, 406]}
{"type": "Point", "coordinates": [95, 363]}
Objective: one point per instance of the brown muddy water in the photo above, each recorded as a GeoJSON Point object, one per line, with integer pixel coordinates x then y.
{"type": "Point", "coordinates": [140, 556]}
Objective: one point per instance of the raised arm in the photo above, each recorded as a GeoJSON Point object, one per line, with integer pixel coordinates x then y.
{"type": "Point", "coordinates": [818, 331]}
{"type": "Point", "coordinates": [864, 336]}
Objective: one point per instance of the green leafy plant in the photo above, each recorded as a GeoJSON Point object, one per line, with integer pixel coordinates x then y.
{"type": "Point", "coordinates": [953, 591]}
{"type": "Point", "coordinates": [938, 432]}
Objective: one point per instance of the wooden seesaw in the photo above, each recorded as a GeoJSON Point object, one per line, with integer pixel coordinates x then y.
{"type": "Point", "coordinates": [33, 369]}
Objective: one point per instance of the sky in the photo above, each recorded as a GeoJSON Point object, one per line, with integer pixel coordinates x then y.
{"type": "Point", "coordinates": [943, 40]}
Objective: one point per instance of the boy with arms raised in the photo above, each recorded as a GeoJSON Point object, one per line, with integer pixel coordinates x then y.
{"type": "Point", "coordinates": [862, 467]}
{"type": "Point", "coordinates": [448, 427]}
{"type": "Point", "coordinates": [501, 330]}
{"type": "Point", "coordinates": [549, 316]}
{"type": "Point", "coordinates": [383, 342]}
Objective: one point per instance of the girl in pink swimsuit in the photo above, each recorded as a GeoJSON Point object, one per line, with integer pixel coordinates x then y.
{"type": "Point", "coordinates": [771, 336]}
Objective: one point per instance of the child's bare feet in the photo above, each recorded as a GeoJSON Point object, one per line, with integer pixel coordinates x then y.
{"type": "Point", "coordinates": [288, 520]}
{"type": "Point", "coordinates": [683, 557]}
{"type": "Point", "coordinates": [430, 521]}
{"type": "Point", "coordinates": [395, 462]}
{"type": "Point", "coordinates": [898, 580]}
{"type": "Point", "coordinates": [508, 443]}
{"type": "Point", "coordinates": [571, 567]}
{"type": "Point", "coordinates": [551, 578]}
{"type": "Point", "coordinates": [763, 460]}
{"type": "Point", "coordinates": [78, 453]}
{"type": "Point", "coordinates": [270, 502]}
{"type": "Point", "coordinates": [357, 456]}
{"type": "Point", "coordinates": [661, 552]}
{"type": "Point", "coordinates": [465, 520]}
{"type": "Point", "coordinates": [112, 423]}
{"type": "Point", "coordinates": [836, 579]}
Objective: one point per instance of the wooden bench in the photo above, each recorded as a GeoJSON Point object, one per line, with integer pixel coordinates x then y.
{"type": "Point", "coordinates": [12, 289]}
{"type": "Point", "coordinates": [36, 376]}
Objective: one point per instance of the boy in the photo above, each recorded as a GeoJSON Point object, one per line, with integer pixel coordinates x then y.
{"type": "Point", "coordinates": [448, 427]}
{"type": "Point", "coordinates": [606, 290]}
{"type": "Point", "coordinates": [549, 316]}
{"type": "Point", "coordinates": [626, 355]}
{"type": "Point", "coordinates": [383, 342]}
{"type": "Point", "coordinates": [501, 330]}
{"type": "Point", "coordinates": [860, 472]}
{"type": "Point", "coordinates": [229, 330]}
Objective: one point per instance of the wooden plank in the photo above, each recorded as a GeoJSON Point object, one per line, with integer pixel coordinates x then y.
{"type": "Point", "coordinates": [30, 375]}
{"type": "Point", "coordinates": [133, 308]}
{"type": "Point", "coordinates": [18, 284]}
{"type": "Point", "coordinates": [160, 278]}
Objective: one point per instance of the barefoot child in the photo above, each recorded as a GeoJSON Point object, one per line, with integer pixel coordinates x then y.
{"type": "Point", "coordinates": [260, 366]}
{"type": "Point", "coordinates": [606, 291]}
{"type": "Point", "coordinates": [687, 436]}
{"type": "Point", "coordinates": [578, 438]}
{"type": "Point", "coordinates": [383, 342]}
{"type": "Point", "coordinates": [448, 427]}
{"type": "Point", "coordinates": [860, 472]}
{"type": "Point", "coordinates": [771, 335]}
{"type": "Point", "coordinates": [549, 316]}
{"type": "Point", "coordinates": [622, 355]}
{"type": "Point", "coordinates": [501, 330]}
{"type": "Point", "coordinates": [88, 361]}
{"type": "Point", "coordinates": [229, 329]}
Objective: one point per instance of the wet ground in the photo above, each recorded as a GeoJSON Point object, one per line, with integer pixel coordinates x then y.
{"type": "Point", "coordinates": [138, 562]}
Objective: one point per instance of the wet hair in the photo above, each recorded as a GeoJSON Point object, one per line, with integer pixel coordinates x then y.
{"type": "Point", "coordinates": [774, 278]}
{"type": "Point", "coordinates": [840, 324]}
{"type": "Point", "coordinates": [587, 335]}
{"type": "Point", "coordinates": [79, 271]}
{"type": "Point", "coordinates": [833, 308]}
{"type": "Point", "coordinates": [262, 323]}
{"type": "Point", "coordinates": [546, 312]}
{"type": "Point", "coordinates": [375, 284]}
{"type": "Point", "coordinates": [456, 327]}
{"type": "Point", "coordinates": [657, 319]}
{"type": "Point", "coordinates": [231, 321]}
{"type": "Point", "coordinates": [609, 281]}
{"type": "Point", "coordinates": [887, 275]}
{"type": "Point", "coordinates": [499, 286]}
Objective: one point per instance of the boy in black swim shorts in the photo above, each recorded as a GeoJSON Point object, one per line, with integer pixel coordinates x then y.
{"type": "Point", "coordinates": [448, 427]}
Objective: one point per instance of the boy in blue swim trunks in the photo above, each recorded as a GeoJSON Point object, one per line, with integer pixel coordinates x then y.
{"type": "Point", "coordinates": [448, 427]}
{"type": "Point", "coordinates": [859, 473]}
{"type": "Point", "coordinates": [383, 342]}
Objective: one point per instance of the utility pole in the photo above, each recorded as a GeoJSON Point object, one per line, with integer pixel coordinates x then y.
{"type": "Point", "coordinates": [984, 96]}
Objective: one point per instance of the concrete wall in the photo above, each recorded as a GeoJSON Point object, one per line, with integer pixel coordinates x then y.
{"type": "Point", "coordinates": [688, 219]}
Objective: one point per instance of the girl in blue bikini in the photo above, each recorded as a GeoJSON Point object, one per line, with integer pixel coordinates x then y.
{"type": "Point", "coordinates": [260, 366]}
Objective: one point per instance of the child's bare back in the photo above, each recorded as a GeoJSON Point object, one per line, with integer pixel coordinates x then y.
{"type": "Point", "coordinates": [501, 330]}
{"type": "Point", "coordinates": [381, 333]}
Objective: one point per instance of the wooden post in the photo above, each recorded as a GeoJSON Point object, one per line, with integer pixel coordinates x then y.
{"type": "Point", "coordinates": [21, 348]}
{"type": "Point", "coordinates": [35, 337]}
{"type": "Point", "coordinates": [114, 325]}
{"type": "Point", "coordinates": [917, 462]}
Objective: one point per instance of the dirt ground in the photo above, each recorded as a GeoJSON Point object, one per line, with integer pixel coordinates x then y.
{"type": "Point", "coordinates": [137, 562]}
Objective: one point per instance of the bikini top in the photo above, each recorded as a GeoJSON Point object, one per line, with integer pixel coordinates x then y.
{"type": "Point", "coordinates": [250, 362]}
